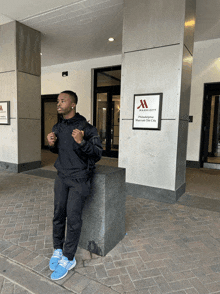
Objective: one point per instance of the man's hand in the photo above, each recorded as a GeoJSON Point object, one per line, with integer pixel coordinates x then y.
{"type": "Point", "coordinates": [78, 135]}
{"type": "Point", "coordinates": [51, 138]}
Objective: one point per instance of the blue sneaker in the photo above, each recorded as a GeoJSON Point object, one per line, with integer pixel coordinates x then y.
{"type": "Point", "coordinates": [57, 255]}
{"type": "Point", "coordinates": [63, 267]}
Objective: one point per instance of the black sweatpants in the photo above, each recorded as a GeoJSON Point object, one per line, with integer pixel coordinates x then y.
{"type": "Point", "coordinates": [69, 199]}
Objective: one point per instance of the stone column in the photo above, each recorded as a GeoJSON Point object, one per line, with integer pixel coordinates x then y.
{"type": "Point", "coordinates": [158, 40]}
{"type": "Point", "coordinates": [20, 70]}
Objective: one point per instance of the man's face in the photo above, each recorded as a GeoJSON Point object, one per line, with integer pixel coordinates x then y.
{"type": "Point", "coordinates": [64, 104]}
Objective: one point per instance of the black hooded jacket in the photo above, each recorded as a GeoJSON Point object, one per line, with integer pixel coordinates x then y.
{"type": "Point", "coordinates": [76, 160]}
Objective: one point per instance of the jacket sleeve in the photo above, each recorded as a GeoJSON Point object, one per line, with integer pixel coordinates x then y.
{"type": "Point", "coordinates": [91, 144]}
{"type": "Point", "coordinates": [54, 148]}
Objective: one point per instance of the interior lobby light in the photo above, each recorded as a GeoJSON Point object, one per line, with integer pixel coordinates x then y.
{"type": "Point", "coordinates": [41, 54]}
{"type": "Point", "coordinates": [111, 39]}
{"type": "Point", "coordinates": [190, 23]}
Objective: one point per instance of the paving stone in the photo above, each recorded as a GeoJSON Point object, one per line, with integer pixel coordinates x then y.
{"type": "Point", "coordinates": [110, 281]}
{"type": "Point", "coordinates": [28, 279]}
{"type": "Point", "coordinates": [77, 283]}
{"type": "Point", "coordinates": [191, 291]}
{"type": "Point", "coordinates": [105, 290]}
{"type": "Point", "coordinates": [42, 265]}
{"type": "Point", "coordinates": [144, 256]}
{"type": "Point", "coordinates": [140, 265]}
{"type": "Point", "coordinates": [1, 281]}
{"type": "Point", "coordinates": [18, 250]}
{"type": "Point", "coordinates": [215, 268]}
{"type": "Point", "coordinates": [117, 272]}
{"type": "Point", "coordinates": [100, 271]}
{"type": "Point", "coordinates": [144, 283]}
{"type": "Point", "coordinates": [163, 285]}
{"type": "Point", "coordinates": [92, 288]}
{"type": "Point", "coordinates": [36, 261]}
{"type": "Point", "coordinates": [127, 283]}
{"type": "Point", "coordinates": [47, 272]}
{"type": "Point", "coordinates": [150, 273]}
{"type": "Point", "coordinates": [20, 290]}
{"type": "Point", "coordinates": [9, 249]}
{"type": "Point", "coordinates": [124, 262]}
{"type": "Point", "coordinates": [154, 290]}
{"type": "Point", "coordinates": [198, 286]}
{"type": "Point", "coordinates": [109, 265]}
{"type": "Point", "coordinates": [156, 264]}
{"type": "Point", "coordinates": [93, 261]}
{"type": "Point", "coordinates": [212, 287]}
{"type": "Point", "coordinates": [213, 277]}
{"type": "Point", "coordinates": [7, 287]}
{"type": "Point", "coordinates": [86, 270]}
{"type": "Point", "coordinates": [4, 245]}
{"type": "Point", "coordinates": [118, 288]}
{"type": "Point", "coordinates": [133, 273]}
{"type": "Point", "coordinates": [180, 285]}
{"type": "Point", "coordinates": [22, 256]}
{"type": "Point", "coordinates": [142, 291]}
{"type": "Point", "coordinates": [129, 255]}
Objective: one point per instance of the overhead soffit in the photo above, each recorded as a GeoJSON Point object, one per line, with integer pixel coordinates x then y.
{"type": "Point", "coordinates": [73, 31]}
{"type": "Point", "coordinates": [76, 30]}
{"type": "Point", "coordinates": [22, 9]}
{"type": "Point", "coordinates": [207, 20]}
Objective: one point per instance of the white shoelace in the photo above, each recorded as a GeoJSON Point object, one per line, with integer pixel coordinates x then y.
{"type": "Point", "coordinates": [56, 254]}
{"type": "Point", "coordinates": [63, 262]}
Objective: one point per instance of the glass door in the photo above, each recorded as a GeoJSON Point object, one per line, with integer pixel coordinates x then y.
{"type": "Point", "coordinates": [107, 108]}
{"type": "Point", "coordinates": [49, 116]}
{"type": "Point", "coordinates": [101, 118]}
{"type": "Point", "coordinates": [210, 134]}
{"type": "Point", "coordinates": [107, 122]}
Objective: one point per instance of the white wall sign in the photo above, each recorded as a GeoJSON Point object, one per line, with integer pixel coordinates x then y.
{"type": "Point", "coordinates": [4, 112]}
{"type": "Point", "coordinates": [147, 111]}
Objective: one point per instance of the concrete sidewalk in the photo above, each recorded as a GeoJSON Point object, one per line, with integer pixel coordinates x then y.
{"type": "Point", "coordinates": [169, 248]}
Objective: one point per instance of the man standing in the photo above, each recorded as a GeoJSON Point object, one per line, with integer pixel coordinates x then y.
{"type": "Point", "coordinates": [79, 148]}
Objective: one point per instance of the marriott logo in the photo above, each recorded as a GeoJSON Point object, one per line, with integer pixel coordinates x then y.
{"type": "Point", "coordinates": [143, 104]}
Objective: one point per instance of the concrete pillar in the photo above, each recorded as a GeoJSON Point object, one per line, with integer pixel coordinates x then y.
{"type": "Point", "coordinates": [157, 58]}
{"type": "Point", "coordinates": [20, 70]}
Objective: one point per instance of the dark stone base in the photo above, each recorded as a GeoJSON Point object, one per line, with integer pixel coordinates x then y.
{"type": "Point", "coordinates": [157, 194]}
{"type": "Point", "coordinates": [192, 164]}
{"type": "Point", "coordinates": [211, 165]}
{"type": "Point", "coordinates": [18, 168]}
{"type": "Point", "coordinates": [200, 202]}
{"type": "Point", "coordinates": [43, 173]}
{"type": "Point", "coordinates": [104, 212]}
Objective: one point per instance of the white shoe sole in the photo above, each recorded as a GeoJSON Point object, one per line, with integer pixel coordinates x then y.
{"type": "Point", "coordinates": [72, 266]}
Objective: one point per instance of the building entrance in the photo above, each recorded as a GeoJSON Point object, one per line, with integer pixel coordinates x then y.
{"type": "Point", "coordinates": [49, 116]}
{"type": "Point", "coordinates": [210, 143]}
{"type": "Point", "coordinates": [107, 108]}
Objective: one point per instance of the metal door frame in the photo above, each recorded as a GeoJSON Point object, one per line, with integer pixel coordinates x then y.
{"type": "Point", "coordinates": [46, 98]}
{"type": "Point", "coordinates": [210, 89]}
{"type": "Point", "coordinates": [110, 90]}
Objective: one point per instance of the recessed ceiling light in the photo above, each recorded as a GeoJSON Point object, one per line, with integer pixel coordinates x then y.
{"type": "Point", "coordinates": [41, 54]}
{"type": "Point", "coordinates": [111, 39]}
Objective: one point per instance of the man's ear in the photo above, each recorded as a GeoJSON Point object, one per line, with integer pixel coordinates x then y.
{"type": "Point", "coordinates": [73, 105]}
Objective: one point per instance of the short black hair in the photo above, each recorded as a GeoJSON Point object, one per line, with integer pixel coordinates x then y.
{"type": "Point", "coordinates": [72, 94]}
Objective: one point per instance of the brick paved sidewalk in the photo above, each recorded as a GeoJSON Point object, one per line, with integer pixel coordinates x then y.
{"type": "Point", "coordinates": [10, 287]}
{"type": "Point", "coordinates": [169, 248]}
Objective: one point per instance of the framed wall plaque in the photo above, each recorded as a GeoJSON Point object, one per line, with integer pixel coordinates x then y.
{"type": "Point", "coordinates": [147, 111]}
{"type": "Point", "coordinates": [4, 112]}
